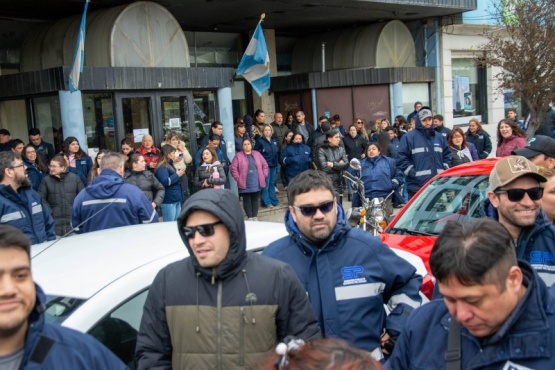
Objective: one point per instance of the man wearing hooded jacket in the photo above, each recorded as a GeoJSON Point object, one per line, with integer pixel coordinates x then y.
{"type": "Point", "coordinates": [221, 307]}
{"type": "Point", "coordinates": [423, 153]}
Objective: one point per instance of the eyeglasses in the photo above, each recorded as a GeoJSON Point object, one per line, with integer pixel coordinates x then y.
{"type": "Point", "coordinates": [31, 152]}
{"type": "Point", "coordinates": [309, 211]}
{"type": "Point", "coordinates": [204, 230]}
{"type": "Point", "coordinates": [359, 122]}
{"type": "Point", "coordinates": [19, 165]}
{"type": "Point", "coordinates": [516, 195]}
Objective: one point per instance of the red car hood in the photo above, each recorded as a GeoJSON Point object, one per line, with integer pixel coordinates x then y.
{"type": "Point", "coordinates": [419, 245]}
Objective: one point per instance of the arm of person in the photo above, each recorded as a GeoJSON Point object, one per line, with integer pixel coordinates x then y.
{"type": "Point", "coordinates": [295, 315]}
{"type": "Point", "coordinates": [186, 155]}
{"type": "Point", "coordinates": [396, 175]}
{"type": "Point", "coordinates": [196, 180]}
{"type": "Point", "coordinates": [76, 214]}
{"type": "Point", "coordinates": [158, 191]}
{"type": "Point", "coordinates": [446, 154]}
{"type": "Point", "coordinates": [49, 225]}
{"type": "Point", "coordinates": [234, 167]}
{"type": "Point", "coordinates": [154, 348]}
{"type": "Point", "coordinates": [265, 167]}
{"type": "Point", "coordinates": [402, 294]}
{"type": "Point", "coordinates": [143, 208]}
{"type": "Point", "coordinates": [43, 191]}
{"type": "Point", "coordinates": [343, 162]}
{"type": "Point", "coordinates": [404, 158]}
{"type": "Point", "coordinates": [487, 146]}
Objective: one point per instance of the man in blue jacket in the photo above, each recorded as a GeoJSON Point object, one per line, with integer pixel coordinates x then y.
{"type": "Point", "coordinates": [496, 313]}
{"type": "Point", "coordinates": [26, 340]}
{"type": "Point", "coordinates": [514, 199]}
{"type": "Point", "coordinates": [348, 274]}
{"type": "Point", "coordinates": [20, 205]}
{"type": "Point", "coordinates": [110, 201]}
{"type": "Point", "coordinates": [422, 153]}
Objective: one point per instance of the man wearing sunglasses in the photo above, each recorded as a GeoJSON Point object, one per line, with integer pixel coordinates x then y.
{"type": "Point", "coordinates": [347, 273]}
{"type": "Point", "coordinates": [514, 199]}
{"type": "Point", "coordinates": [221, 307]}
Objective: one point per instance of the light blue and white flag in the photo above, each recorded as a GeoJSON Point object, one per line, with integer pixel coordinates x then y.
{"type": "Point", "coordinates": [79, 55]}
{"type": "Point", "coordinates": [255, 64]}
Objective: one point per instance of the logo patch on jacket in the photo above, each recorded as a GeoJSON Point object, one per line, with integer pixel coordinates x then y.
{"type": "Point", "coordinates": [512, 366]}
{"type": "Point", "coordinates": [351, 275]}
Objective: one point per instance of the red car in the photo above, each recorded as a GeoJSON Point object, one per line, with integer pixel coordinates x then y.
{"type": "Point", "coordinates": [454, 195]}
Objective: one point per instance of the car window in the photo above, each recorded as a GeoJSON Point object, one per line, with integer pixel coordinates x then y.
{"type": "Point", "coordinates": [118, 330]}
{"type": "Point", "coordinates": [60, 308]}
{"type": "Point", "coordinates": [455, 198]}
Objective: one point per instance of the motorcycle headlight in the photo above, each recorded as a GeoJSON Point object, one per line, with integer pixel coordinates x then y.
{"type": "Point", "coordinates": [378, 215]}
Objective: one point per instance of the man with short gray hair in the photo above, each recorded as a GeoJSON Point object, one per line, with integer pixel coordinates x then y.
{"type": "Point", "coordinates": [110, 201]}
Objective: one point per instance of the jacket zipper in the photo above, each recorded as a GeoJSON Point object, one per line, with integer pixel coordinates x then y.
{"type": "Point", "coordinates": [242, 337]}
{"type": "Point", "coordinates": [219, 318]}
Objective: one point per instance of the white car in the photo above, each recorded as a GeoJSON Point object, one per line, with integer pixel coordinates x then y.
{"type": "Point", "coordinates": [97, 282]}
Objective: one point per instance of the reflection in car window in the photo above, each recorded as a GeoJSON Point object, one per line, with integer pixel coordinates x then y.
{"type": "Point", "coordinates": [457, 198]}
{"type": "Point", "coordinates": [118, 330]}
{"type": "Point", "coordinates": [60, 308]}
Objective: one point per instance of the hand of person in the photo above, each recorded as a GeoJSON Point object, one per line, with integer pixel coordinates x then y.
{"type": "Point", "coordinates": [205, 184]}
{"type": "Point", "coordinates": [181, 171]}
{"type": "Point", "coordinates": [329, 164]}
{"type": "Point", "coordinates": [387, 342]}
{"type": "Point", "coordinates": [153, 205]}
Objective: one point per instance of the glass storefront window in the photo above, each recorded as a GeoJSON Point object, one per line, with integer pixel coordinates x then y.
{"type": "Point", "coordinates": [137, 118]}
{"type": "Point", "coordinates": [466, 89]}
{"type": "Point", "coordinates": [204, 112]}
{"type": "Point", "coordinates": [175, 115]}
{"type": "Point", "coordinates": [48, 119]}
{"type": "Point", "coordinates": [13, 117]}
{"type": "Point", "coordinates": [412, 93]}
{"type": "Point", "coordinates": [98, 114]}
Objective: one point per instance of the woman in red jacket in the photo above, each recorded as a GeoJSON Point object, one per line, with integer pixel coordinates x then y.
{"type": "Point", "coordinates": [249, 169]}
{"type": "Point", "coordinates": [509, 137]}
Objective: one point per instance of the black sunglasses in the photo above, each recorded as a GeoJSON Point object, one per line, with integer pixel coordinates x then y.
{"type": "Point", "coordinates": [516, 195]}
{"type": "Point", "coordinates": [204, 230]}
{"type": "Point", "coordinates": [309, 211]}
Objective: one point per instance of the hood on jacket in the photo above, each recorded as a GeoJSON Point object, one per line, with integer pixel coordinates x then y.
{"type": "Point", "coordinates": [225, 205]}
{"type": "Point", "coordinates": [428, 132]}
{"type": "Point", "coordinates": [105, 185]}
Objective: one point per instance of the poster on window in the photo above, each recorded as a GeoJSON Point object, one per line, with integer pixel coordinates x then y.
{"type": "Point", "coordinates": [463, 100]}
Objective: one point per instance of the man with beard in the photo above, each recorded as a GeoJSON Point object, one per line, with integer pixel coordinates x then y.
{"type": "Point", "coordinates": [347, 273]}
{"type": "Point", "coordinates": [514, 199]}
{"type": "Point", "coordinates": [20, 205]}
{"type": "Point", "coordinates": [26, 340]}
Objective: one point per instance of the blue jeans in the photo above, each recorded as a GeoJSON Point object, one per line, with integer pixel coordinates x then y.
{"type": "Point", "coordinates": [268, 194]}
{"type": "Point", "coordinates": [170, 211]}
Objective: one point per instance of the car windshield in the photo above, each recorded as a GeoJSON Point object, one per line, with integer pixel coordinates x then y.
{"type": "Point", "coordinates": [455, 198]}
{"type": "Point", "coordinates": [60, 308]}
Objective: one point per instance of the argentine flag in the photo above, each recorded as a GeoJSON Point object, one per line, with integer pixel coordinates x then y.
{"type": "Point", "coordinates": [79, 55]}
{"type": "Point", "coordinates": [255, 64]}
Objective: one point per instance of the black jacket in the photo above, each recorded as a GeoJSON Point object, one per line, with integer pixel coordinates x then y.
{"type": "Point", "coordinates": [148, 183]}
{"type": "Point", "coordinates": [327, 153]}
{"type": "Point", "coordinates": [228, 316]}
{"type": "Point", "coordinates": [355, 147]}
{"type": "Point", "coordinates": [59, 193]}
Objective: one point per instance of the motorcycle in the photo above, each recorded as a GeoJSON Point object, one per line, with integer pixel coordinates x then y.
{"type": "Point", "coordinates": [372, 215]}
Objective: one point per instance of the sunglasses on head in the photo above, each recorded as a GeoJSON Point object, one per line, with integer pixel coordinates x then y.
{"type": "Point", "coordinates": [516, 195]}
{"type": "Point", "coordinates": [309, 211]}
{"type": "Point", "coordinates": [204, 230]}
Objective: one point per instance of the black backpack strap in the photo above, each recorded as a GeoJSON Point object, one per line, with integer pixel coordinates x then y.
{"type": "Point", "coordinates": [453, 353]}
{"type": "Point", "coordinates": [43, 347]}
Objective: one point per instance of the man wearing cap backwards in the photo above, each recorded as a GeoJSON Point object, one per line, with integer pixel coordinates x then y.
{"type": "Point", "coordinates": [540, 151]}
{"type": "Point", "coordinates": [514, 199]}
{"type": "Point", "coordinates": [423, 152]}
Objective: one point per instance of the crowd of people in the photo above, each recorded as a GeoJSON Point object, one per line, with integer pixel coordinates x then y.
{"type": "Point", "coordinates": [314, 298]}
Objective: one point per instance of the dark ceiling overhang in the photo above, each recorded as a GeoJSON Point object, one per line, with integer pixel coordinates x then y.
{"type": "Point", "coordinates": [53, 80]}
{"type": "Point", "coordinates": [288, 17]}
